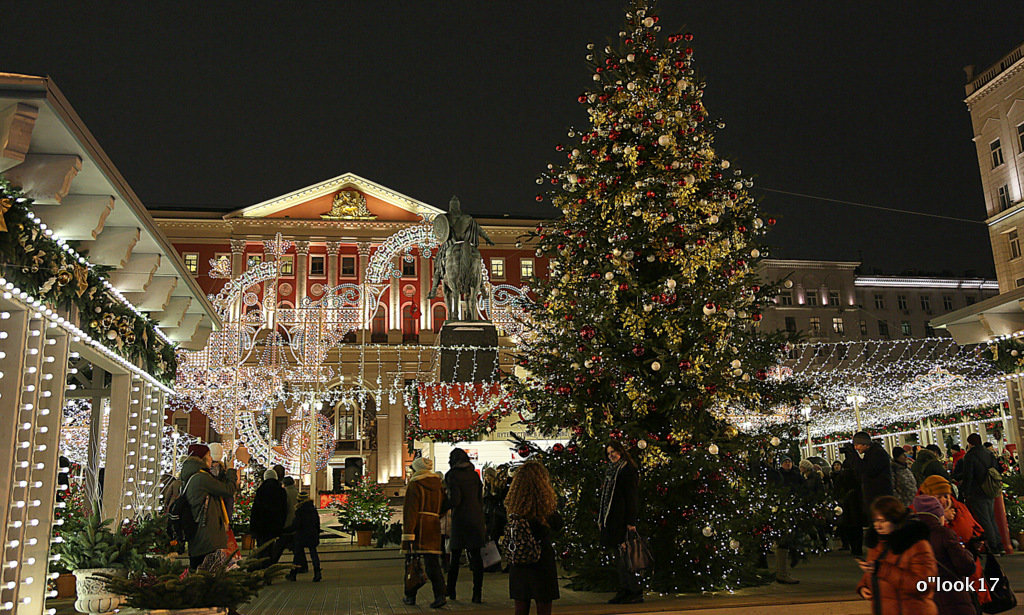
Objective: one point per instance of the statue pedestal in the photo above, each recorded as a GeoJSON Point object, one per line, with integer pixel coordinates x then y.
{"type": "Point", "coordinates": [463, 365]}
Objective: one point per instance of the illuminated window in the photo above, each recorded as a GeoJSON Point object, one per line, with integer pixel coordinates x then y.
{"type": "Point", "coordinates": [497, 268]}
{"type": "Point", "coordinates": [790, 324]}
{"type": "Point", "coordinates": [224, 259]}
{"type": "Point", "coordinates": [192, 262]}
{"type": "Point", "coordinates": [408, 268]}
{"type": "Point", "coordinates": [901, 302]}
{"type": "Point", "coordinates": [317, 265]}
{"type": "Point", "coordinates": [947, 302]}
{"type": "Point", "coordinates": [253, 260]}
{"type": "Point", "coordinates": [348, 266]}
{"type": "Point", "coordinates": [1003, 197]}
{"type": "Point", "coordinates": [837, 326]}
{"type": "Point", "coordinates": [883, 329]}
{"type": "Point", "coordinates": [863, 328]}
{"type": "Point", "coordinates": [833, 297]}
{"type": "Point", "coordinates": [1013, 242]}
{"type": "Point", "coordinates": [905, 328]}
{"type": "Point", "coordinates": [815, 325]}
{"type": "Point", "coordinates": [288, 264]}
{"type": "Point", "coordinates": [926, 303]}
{"type": "Point", "coordinates": [786, 298]}
{"type": "Point", "coordinates": [526, 268]}
{"type": "Point", "coordinates": [879, 302]}
{"type": "Point", "coordinates": [812, 297]}
{"type": "Point", "coordinates": [997, 153]}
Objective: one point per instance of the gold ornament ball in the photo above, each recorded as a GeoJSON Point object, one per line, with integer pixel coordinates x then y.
{"type": "Point", "coordinates": [707, 531]}
{"type": "Point", "coordinates": [641, 444]}
{"type": "Point", "coordinates": [774, 441]}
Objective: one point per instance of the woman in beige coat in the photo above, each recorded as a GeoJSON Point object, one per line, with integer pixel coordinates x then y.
{"type": "Point", "coordinates": [421, 525]}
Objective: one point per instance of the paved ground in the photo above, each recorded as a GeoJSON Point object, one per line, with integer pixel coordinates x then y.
{"type": "Point", "coordinates": [374, 586]}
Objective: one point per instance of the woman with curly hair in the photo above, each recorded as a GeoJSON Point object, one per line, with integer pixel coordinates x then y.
{"type": "Point", "coordinates": [617, 515]}
{"type": "Point", "coordinates": [531, 497]}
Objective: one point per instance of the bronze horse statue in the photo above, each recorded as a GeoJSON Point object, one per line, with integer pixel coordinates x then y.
{"type": "Point", "coordinates": [458, 265]}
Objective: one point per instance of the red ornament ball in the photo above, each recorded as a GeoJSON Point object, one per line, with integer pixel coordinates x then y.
{"type": "Point", "coordinates": [558, 448]}
{"type": "Point", "coordinates": [588, 332]}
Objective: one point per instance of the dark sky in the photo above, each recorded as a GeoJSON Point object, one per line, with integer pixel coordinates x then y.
{"type": "Point", "coordinates": [223, 105]}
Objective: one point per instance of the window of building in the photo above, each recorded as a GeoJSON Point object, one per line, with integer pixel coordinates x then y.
{"type": "Point", "coordinates": [253, 260]}
{"type": "Point", "coordinates": [224, 259]}
{"type": "Point", "coordinates": [280, 426]}
{"type": "Point", "coordinates": [497, 268]}
{"type": "Point", "coordinates": [837, 325]}
{"type": "Point", "coordinates": [786, 298]}
{"type": "Point", "coordinates": [996, 149]}
{"type": "Point", "coordinates": [928, 330]}
{"type": "Point", "coordinates": [181, 425]}
{"type": "Point", "coordinates": [379, 326]}
{"type": "Point", "coordinates": [883, 329]}
{"type": "Point", "coordinates": [1003, 196]}
{"type": "Point", "coordinates": [815, 325]}
{"type": "Point", "coordinates": [947, 302]}
{"type": "Point", "coordinates": [1018, 282]}
{"type": "Point", "coordinates": [346, 420]}
{"type": "Point", "coordinates": [905, 328]}
{"type": "Point", "coordinates": [348, 266]}
{"type": "Point", "coordinates": [410, 322]}
{"type": "Point", "coordinates": [288, 264]}
{"type": "Point", "coordinates": [1020, 137]}
{"type": "Point", "coordinates": [211, 434]}
{"type": "Point", "coordinates": [812, 297]}
{"type": "Point", "coordinates": [526, 268]}
{"type": "Point", "coordinates": [317, 265]}
{"type": "Point", "coordinates": [791, 324]}
{"type": "Point", "coordinates": [440, 314]}
{"type": "Point", "coordinates": [1013, 242]}
{"type": "Point", "coordinates": [901, 302]}
{"type": "Point", "coordinates": [408, 268]}
{"type": "Point", "coordinates": [879, 302]}
{"type": "Point", "coordinates": [833, 297]}
{"type": "Point", "coordinates": [191, 262]}
{"type": "Point", "coordinates": [863, 328]}
{"type": "Point", "coordinates": [926, 303]}
{"type": "Point", "coordinates": [970, 300]}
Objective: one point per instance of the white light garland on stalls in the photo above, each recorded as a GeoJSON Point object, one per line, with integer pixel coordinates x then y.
{"type": "Point", "coordinates": [899, 380]}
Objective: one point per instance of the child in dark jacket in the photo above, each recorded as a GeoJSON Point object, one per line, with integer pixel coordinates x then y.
{"type": "Point", "coordinates": [307, 536]}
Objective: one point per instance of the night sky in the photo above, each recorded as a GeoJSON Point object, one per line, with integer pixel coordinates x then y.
{"type": "Point", "coordinates": [230, 104]}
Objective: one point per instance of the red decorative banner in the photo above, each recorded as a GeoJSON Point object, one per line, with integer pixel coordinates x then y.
{"type": "Point", "coordinates": [458, 405]}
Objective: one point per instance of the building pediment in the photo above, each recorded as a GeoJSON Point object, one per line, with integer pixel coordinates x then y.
{"type": "Point", "coordinates": [1017, 108]}
{"type": "Point", "coordinates": [346, 198]}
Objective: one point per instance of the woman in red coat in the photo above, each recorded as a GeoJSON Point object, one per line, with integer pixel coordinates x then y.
{"type": "Point", "coordinates": [899, 556]}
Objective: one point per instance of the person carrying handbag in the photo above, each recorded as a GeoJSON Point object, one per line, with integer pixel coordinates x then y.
{"type": "Point", "coordinates": [204, 494]}
{"type": "Point", "coordinates": [617, 515]}
{"type": "Point", "coordinates": [421, 529]}
{"type": "Point", "coordinates": [532, 518]}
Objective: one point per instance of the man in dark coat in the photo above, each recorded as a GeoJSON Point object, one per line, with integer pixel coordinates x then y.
{"type": "Point", "coordinates": [269, 509]}
{"type": "Point", "coordinates": [848, 494]}
{"type": "Point", "coordinates": [927, 464]}
{"type": "Point", "coordinates": [874, 467]}
{"type": "Point", "coordinates": [468, 532]}
{"type": "Point", "coordinates": [972, 475]}
{"type": "Point", "coordinates": [787, 554]}
{"type": "Point", "coordinates": [307, 537]}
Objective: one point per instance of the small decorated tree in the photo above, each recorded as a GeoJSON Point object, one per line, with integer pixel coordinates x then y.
{"type": "Point", "coordinates": [366, 507]}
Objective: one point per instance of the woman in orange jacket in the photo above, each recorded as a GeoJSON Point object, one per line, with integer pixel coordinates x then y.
{"type": "Point", "coordinates": [899, 559]}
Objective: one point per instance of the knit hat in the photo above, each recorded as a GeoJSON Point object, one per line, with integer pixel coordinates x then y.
{"type": "Point", "coordinates": [928, 504]}
{"type": "Point", "coordinates": [422, 463]}
{"type": "Point", "coordinates": [935, 485]}
{"type": "Point", "coordinates": [785, 459]}
{"type": "Point", "coordinates": [198, 450]}
{"type": "Point", "coordinates": [270, 474]}
{"type": "Point", "coordinates": [862, 437]}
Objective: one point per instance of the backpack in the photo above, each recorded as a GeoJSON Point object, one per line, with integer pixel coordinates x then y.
{"type": "Point", "coordinates": [992, 485]}
{"type": "Point", "coordinates": [182, 523]}
{"type": "Point", "coordinates": [521, 546]}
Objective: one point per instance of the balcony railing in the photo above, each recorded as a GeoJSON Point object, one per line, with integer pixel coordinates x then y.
{"type": "Point", "coordinates": [993, 71]}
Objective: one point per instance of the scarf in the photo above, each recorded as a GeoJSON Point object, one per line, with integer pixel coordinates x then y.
{"type": "Point", "coordinates": [611, 476]}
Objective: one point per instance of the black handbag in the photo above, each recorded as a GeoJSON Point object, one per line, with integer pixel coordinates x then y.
{"type": "Point", "coordinates": [1003, 598]}
{"type": "Point", "coordinates": [638, 553]}
{"type": "Point", "coordinates": [415, 575]}
{"type": "Point", "coordinates": [521, 546]}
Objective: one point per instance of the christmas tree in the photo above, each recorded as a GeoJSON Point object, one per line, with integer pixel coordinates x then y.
{"type": "Point", "coordinates": [647, 329]}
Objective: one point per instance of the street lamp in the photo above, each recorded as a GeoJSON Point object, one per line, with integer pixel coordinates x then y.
{"type": "Point", "coordinates": [856, 399]}
{"type": "Point", "coordinates": [806, 411]}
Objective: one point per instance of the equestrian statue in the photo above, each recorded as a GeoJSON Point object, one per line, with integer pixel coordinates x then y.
{"type": "Point", "coordinates": [458, 264]}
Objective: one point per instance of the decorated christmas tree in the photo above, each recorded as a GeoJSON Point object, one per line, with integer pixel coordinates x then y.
{"type": "Point", "coordinates": [647, 329]}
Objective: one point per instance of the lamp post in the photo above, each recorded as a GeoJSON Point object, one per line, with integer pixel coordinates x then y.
{"type": "Point", "coordinates": [806, 411]}
{"type": "Point", "coordinates": [856, 399]}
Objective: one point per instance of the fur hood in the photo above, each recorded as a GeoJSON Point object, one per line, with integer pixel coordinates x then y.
{"type": "Point", "coordinates": [909, 532]}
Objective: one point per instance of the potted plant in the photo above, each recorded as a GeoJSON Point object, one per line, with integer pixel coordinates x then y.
{"type": "Point", "coordinates": [70, 520]}
{"type": "Point", "coordinates": [365, 509]}
{"type": "Point", "coordinates": [242, 515]}
{"type": "Point", "coordinates": [216, 587]}
{"type": "Point", "coordinates": [92, 551]}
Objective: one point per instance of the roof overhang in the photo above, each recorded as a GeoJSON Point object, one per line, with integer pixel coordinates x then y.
{"type": "Point", "coordinates": [985, 320]}
{"type": "Point", "coordinates": [93, 204]}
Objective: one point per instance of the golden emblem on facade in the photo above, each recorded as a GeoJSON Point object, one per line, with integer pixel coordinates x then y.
{"type": "Point", "coordinates": [349, 205]}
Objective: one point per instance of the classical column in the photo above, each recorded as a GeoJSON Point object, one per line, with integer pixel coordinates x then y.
{"type": "Point", "coordinates": [237, 254]}
{"type": "Point", "coordinates": [333, 248]}
{"type": "Point", "coordinates": [395, 305]}
{"type": "Point", "coordinates": [301, 269]}
{"type": "Point", "coordinates": [12, 415]}
{"type": "Point", "coordinates": [364, 261]}
{"type": "Point", "coordinates": [1014, 433]}
{"type": "Point", "coordinates": [426, 318]}
{"type": "Point", "coordinates": [92, 466]}
{"type": "Point", "coordinates": [117, 447]}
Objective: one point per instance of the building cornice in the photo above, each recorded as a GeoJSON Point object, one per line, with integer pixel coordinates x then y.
{"type": "Point", "coordinates": [924, 282]}
{"type": "Point", "coordinates": [777, 263]}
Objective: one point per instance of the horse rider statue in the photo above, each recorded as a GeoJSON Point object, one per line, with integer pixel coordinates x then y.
{"type": "Point", "coordinates": [458, 263]}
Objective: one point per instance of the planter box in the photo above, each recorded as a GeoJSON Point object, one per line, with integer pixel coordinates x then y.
{"type": "Point", "coordinates": [93, 597]}
{"type": "Point", "coordinates": [364, 537]}
{"type": "Point", "coordinates": [66, 585]}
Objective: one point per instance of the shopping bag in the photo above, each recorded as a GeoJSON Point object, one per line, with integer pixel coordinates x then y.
{"type": "Point", "coordinates": [1003, 598]}
{"type": "Point", "coordinates": [232, 549]}
{"type": "Point", "coordinates": [415, 575]}
{"type": "Point", "coordinates": [638, 553]}
{"type": "Point", "coordinates": [490, 555]}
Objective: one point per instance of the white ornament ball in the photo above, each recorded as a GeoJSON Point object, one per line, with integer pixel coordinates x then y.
{"type": "Point", "coordinates": [734, 544]}
{"type": "Point", "coordinates": [111, 334]}
{"type": "Point", "coordinates": [648, 22]}
{"type": "Point", "coordinates": [746, 378]}
{"type": "Point", "coordinates": [597, 76]}
{"type": "Point", "coordinates": [707, 531]}
{"type": "Point", "coordinates": [670, 218]}
{"type": "Point", "coordinates": [788, 283]}
{"type": "Point", "coordinates": [650, 258]}
{"type": "Point", "coordinates": [609, 275]}
{"type": "Point", "coordinates": [630, 57]}
{"type": "Point", "coordinates": [838, 510]}
{"type": "Point", "coordinates": [731, 313]}
{"type": "Point", "coordinates": [655, 366]}
{"type": "Point", "coordinates": [709, 309]}
{"type": "Point", "coordinates": [630, 86]}
{"type": "Point", "coordinates": [689, 179]}
{"type": "Point", "coordinates": [774, 441]}
{"type": "Point", "coordinates": [713, 449]}
{"type": "Point", "coordinates": [725, 164]}
{"type": "Point", "coordinates": [713, 219]}
{"type": "Point", "coordinates": [735, 363]}
{"type": "Point", "coordinates": [758, 223]}
{"type": "Point", "coordinates": [1014, 353]}
{"type": "Point", "coordinates": [664, 140]}
{"type": "Point", "coordinates": [670, 284]}
{"type": "Point", "coordinates": [616, 252]}
{"type": "Point", "coordinates": [641, 444]}
{"type": "Point", "coordinates": [755, 253]}
{"type": "Point", "coordinates": [648, 307]}
{"type": "Point", "coordinates": [588, 364]}
{"type": "Point", "coordinates": [737, 185]}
